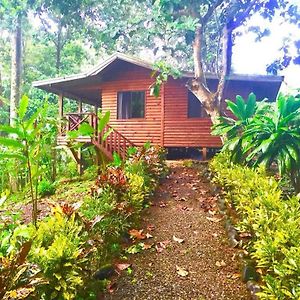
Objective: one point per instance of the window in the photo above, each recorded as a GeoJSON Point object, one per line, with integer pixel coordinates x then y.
{"type": "Point", "coordinates": [194, 106]}
{"type": "Point", "coordinates": [131, 105]}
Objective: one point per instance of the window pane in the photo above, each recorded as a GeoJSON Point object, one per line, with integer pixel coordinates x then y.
{"type": "Point", "coordinates": [137, 105]}
{"type": "Point", "coordinates": [131, 105]}
{"type": "Point", "coordinates": [194, 106]}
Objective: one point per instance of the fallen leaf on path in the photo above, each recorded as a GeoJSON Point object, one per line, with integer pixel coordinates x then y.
{"type": "Point", "coordinates": [111, 287]}
{"type": "Point", "coordinates": [245, 234]}
{"type": "Point", "coordinates": [185, 208]}
{"type": "Point", "coordinates": [138, 234]}
{"type": "Point", "coordinates": [149, 236]}
{"type": "Point", "coordinates": [147, 246]}
{"type": "Point", "coordinates": [215, 235]}
{"type": "Point", "coordinates": [181, 271]}
{"type": "Point", "coordinates": [178, 240]}
{"type": "Point", "coordinates": [150, 227]}
{"type": "Point", "coordinates": [221, 263]}
{"type": "Point", "coordinates": [122, 267]}
{"type": "Point", "coordinates": [215, 220]}
{"type": "Point", "coordinates": [160, 246]}
{"type": "Point", "coordinates": [162, 204]}
{"type": "Point", "coordinates": [182, 199]}
{"type": "Point", "coordinates": [234, 276]}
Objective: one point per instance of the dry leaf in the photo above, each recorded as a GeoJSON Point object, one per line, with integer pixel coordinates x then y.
{"type": "Point", "coordinates": [149, 236]}
{"type": "Point", "coordinates": [221, 263]}
{"type": "Point", "coordinates": [122, 267]}
{"type": "Point", "coordinates": [181, 271]}
{"type": "Point", "coordinates": [215, 220]}
{"type": "Point", "coordinates": [160, 246]}
{"type": "Point", "coordinates": [111, 287]}
{"type": "Point", "coordinates": [245, 234]}
{"type": "Point", "coordinates": [178, 240]}
{"type": "Point", "coordinates": [147, 246]}
{"type": "Point", "coordinates": [150, 227]}
{"type": "Point", "coordinates": [234, 276]}
{"type": "Point", "coordinates": [138, 234]}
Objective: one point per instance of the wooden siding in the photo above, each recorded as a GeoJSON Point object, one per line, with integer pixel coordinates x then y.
{"type": "Point", "coordinates": [133, 78]}
{"type": "Point", "coordinates": [179, 130]}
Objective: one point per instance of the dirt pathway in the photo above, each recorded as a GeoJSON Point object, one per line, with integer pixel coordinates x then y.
{"type": "Point", "coordinates": [203, 266]}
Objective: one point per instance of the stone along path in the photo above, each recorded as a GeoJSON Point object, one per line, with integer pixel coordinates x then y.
{"type": "Point", "coordinates": [189, 256]}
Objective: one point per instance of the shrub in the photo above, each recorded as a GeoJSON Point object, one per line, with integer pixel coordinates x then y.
{"type": "Point", "coordinates": [62, 249]}
{"type": "Point", "coordinates": [46, 188]}
{"type": "Point", "coordinates": [274, 224]}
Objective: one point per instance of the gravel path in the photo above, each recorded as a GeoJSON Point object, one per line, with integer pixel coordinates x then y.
{"type": "Point", "coordinates": [203, 266]}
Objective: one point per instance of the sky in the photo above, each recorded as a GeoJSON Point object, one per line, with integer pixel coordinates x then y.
{"type": "Point", "coordinates": [250, 57]}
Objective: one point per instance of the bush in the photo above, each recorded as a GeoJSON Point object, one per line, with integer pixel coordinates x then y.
{"type": "Point", "coordinates": [63, 250]}
{"type": "Point", "coordinates": [46, 188]}
{"type": "Point", "coordinates": [274, 224]}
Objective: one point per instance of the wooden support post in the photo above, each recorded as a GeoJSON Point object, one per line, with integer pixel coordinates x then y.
{"type": "Point", "coordinates": [80, 162]}
{"type": "Point", "coordinates": [96, 110]}
{"type": "Point", "coordinates": [162, 116]}
{"type": "Point", "coordinates": [204, 153]}
{"type": "Point", "coordinates": [61, 105]}
{"type": "Point", "coordinates": [80, 106]}
{"type": "Point", "coordinates": [60, 111]}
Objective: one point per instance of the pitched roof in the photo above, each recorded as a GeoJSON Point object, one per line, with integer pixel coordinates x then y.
{"type": "Point", "coordinates": [65, 84]}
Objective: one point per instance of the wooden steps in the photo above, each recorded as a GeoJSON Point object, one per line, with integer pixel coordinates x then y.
{"type": "Point", "coordinates": [108, 141]}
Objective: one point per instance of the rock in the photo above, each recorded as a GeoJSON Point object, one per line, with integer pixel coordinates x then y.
{"type": "Point", "coordinates": [105, 272]}
{"type": "Point", "coordinates": [253, 288]}
{"type": "Point", "coordinates": [249, 272]}
{"type": "Point", "coordinates": [222, 205]}
{"type": "Point", "coordinates": [233, 242]}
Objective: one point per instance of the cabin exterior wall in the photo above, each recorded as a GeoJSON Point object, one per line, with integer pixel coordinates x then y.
{"type": "Point", "coordinates": [179, 130]}
{"type": "Point", "coordinates": [138, 130]}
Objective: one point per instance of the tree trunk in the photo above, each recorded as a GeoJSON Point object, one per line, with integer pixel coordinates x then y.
{"type": "Point", "coordinates": [198, 85]}
{"type": "Point", "coordinates": [58, 45]}
{"type": "Point", "coordinates": [229, 51]}
{"type": "Point", "coordinates": [16, 67]}
{"type": "Point", "coordinates": [1, 86]}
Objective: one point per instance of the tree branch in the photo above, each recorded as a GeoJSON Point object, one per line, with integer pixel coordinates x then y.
{"type": "Point", "coordinates": [242, 16]}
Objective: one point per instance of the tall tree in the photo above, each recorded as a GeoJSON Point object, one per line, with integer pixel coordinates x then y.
{"type": "Point", "coordinates": [16, 68]}
{"type": "Point", "coordinates": [198, 18]}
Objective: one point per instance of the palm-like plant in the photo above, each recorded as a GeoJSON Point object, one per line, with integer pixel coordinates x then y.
{"type": "Point", "coordinates": [232, 128]}
{"type": "Point", "coordinates": [275, 137]}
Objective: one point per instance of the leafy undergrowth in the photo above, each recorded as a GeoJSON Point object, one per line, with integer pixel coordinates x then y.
{"type": "Point", "coordinates": [269, 221]}
{"type": "Point", "coordinates": [71, 250]}
{"type": "Point", "coordinates": [180, 249]}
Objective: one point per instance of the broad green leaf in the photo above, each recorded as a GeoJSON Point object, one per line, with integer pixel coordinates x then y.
{"type": "Point", "coordinates": [251, 105]}
{"type": "Point", "coordinates": [241, 105]}
{"type": "Point", "coordinates": [13, 155]}
{"type": "Point", "coordinates": [103, 121]}
{"type": "Point", "coordinates": [11, 130]}
{"type": "Point", "coordinates": [9, 142]}
{"type": "Point", "coordinates": [23, 107]}
{"type": "Point", "coordinates": [107, 133]}
{"type": "Point", "coordinates": [234, 109]}
{"type": "Point", "coordinates": [85, 129]}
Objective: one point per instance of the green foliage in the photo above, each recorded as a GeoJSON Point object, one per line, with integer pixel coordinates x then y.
{"type": "Point", "coordinates": [27, 142]}
{"type": "Point", "coordinates": [46, 188]}
{"type": "Point", "coordinates": [272, 222]}
{"type": "Point", "coordinates": [61, 251]}
{"type": "Point", "coordinates": [264, 135]}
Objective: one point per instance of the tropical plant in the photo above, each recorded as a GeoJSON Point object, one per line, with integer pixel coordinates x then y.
{"type": "Point", "coordinates": [264, 134]}
{"type": "Point", "coordinates": [232, 128]}
{"type": "Point", "coordinates": [275, 137]}
{"type": "Point", "coordinates": [258, 209]}
{"type": "Point", "coordinates": [25, 143]}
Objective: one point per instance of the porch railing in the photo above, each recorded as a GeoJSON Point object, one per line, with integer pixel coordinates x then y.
{"type": "Point", "coordinates": [109, 139]}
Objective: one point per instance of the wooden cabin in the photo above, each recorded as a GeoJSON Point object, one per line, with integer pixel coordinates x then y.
{"type": "Point", "coordinates": [121, 84]}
